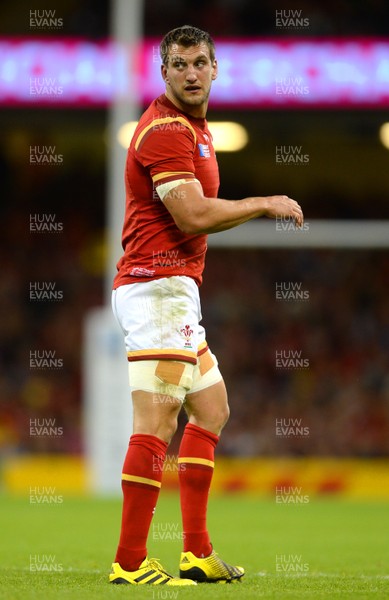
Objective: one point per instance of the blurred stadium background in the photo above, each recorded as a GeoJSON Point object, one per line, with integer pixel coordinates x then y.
{"type": "Point", "coordinates": [324, 427]}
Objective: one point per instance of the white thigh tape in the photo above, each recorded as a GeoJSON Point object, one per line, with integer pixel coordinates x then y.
{"type": "Point", "coordinates": [166, 377]}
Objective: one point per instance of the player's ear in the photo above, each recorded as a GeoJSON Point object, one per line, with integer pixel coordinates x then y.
{"type": "Point", "coordinates": [214, 70]}
{"type": "Point", "coordinates": [164, 74]}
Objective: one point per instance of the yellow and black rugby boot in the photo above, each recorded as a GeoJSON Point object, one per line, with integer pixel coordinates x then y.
{"type": "Point", "coordinates": [150, 572]}
{"type": "Point", "coordinates": [210, 569]}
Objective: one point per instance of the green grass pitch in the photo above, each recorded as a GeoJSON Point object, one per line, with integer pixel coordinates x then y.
{"type": "Point", "coordinates": [323, 549]}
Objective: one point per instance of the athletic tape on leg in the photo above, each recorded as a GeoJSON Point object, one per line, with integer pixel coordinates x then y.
{"type": "Point", "coordinates": [206, 372]}
{"type": "Point", "coordinates": [163, 377]}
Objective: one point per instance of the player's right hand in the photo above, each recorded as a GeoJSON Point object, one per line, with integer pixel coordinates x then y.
{"type": "Point", "coordinates": [283, 206]}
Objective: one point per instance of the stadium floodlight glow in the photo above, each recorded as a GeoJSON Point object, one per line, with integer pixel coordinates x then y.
{"type": "Point", "coordinates": [228, 136]}
{"type": "Point", "coordinates": [125, 133]}
{"type": "Point", "coordinates": [384, 135]}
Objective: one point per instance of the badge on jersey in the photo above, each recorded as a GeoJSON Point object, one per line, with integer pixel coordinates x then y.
{"type": "Point", "coordinates": [204, 150]}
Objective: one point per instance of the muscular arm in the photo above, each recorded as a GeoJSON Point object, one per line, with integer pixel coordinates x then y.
{"type": "Point", "coordinates": [194, 213]}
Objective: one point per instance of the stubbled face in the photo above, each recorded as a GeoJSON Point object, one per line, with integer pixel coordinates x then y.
{"type": "Point", "coordinates": [188, 77]}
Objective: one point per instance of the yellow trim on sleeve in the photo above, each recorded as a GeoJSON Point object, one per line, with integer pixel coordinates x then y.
{"type": "Point", "coordinates": [137, 479]}
{"type": "Point", "coordinates": [196, 461]}
{"type": "Point", "coordinates": [164, 120]}
{"type": "Point", "coordinates": [169, 174]}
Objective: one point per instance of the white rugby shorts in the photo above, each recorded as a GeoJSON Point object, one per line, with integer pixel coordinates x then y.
{"type": "Point", "coordinates": [160, 320]}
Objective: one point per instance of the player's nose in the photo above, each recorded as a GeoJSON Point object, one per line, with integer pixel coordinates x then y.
{"type": "Point", "coordinates": [191, 74]}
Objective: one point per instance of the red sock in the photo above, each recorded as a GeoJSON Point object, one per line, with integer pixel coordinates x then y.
{"type": "Point", "coordinates": [196, 460]}
{"type": "Point", "coordinates": [141, 482]}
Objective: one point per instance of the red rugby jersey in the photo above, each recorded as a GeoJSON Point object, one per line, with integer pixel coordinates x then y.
{"type": "Point", "coordinates": [167, 145]}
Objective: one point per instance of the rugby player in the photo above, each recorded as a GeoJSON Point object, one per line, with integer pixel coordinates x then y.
{"type": "Point", "coordinates": [172, 182]}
